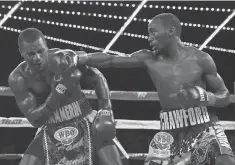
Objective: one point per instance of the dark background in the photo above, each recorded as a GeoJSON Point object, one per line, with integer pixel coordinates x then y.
{"type": "Point", "coordinates": [118, 79]}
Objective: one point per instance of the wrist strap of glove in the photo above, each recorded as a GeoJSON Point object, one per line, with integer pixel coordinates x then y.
{"type": "Point", "coordinates": [61, 89]}
{"type": "Point", "coordinates": [206, 96]}
{"type": "Point", "coordinates": [104, 112]}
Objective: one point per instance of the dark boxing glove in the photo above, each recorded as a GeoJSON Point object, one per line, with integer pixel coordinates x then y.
{"type": "Point", "coordinates": [103, 126]}
{"type": "Point", "coordinates": [66, 77]}
{"type": "Point", "coordinates": [191, 96]}
{"type": "Point", "coordinates": [60, 60]}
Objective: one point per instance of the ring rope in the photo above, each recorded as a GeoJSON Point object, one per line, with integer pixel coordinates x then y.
{"type": "Point", "coordinates": [114, 95]}
{"type": "Point", "coordinates": [18, 122]}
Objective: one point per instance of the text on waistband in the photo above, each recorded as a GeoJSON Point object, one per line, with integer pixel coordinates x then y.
{"type": "Point", "coordinates": [66, 112]}
{"type": "Point", "coordinates": [183, 118]}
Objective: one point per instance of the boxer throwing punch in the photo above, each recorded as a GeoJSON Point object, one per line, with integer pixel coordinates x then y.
{"type": "Point", "coordinates": [47, 90]}
{"type": "Point", "coordinates": [187, 82]}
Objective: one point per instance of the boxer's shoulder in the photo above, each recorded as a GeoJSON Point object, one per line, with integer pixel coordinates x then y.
{"type": "Point", "coordinates": [197, 54]}
{"type": "Point", "coordinates": [143, 55]}
{"type": "Point", "coordinates": [16, 79]}
{"type": "Point", "coordinates": [204, 60]}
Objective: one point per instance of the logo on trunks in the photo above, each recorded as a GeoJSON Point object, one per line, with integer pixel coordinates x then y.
{"type": "Point", "coordinates": [64, 161]}
{"type": "Point", "coordinates": [160, 145]}
{"type": "Point", "coordinates": [66, 135]}
{"type": "Point", "coordinates": [70, 147]}
{"type": "Point", "coordinates": [201, 151]}
{"type": "Point", "coordinates": [66, 112]}
{"type": "Point", "coordinates": [183, 118]}
{"type": "Point", "coordinates": [221, 137]}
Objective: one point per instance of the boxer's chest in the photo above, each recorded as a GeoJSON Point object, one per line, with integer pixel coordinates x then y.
{"type": "Point", "coordinates": [41, 87]}
{"type": "Point", "coordinates": [174, 74]}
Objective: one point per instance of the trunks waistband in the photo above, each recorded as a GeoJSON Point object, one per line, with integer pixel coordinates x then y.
{"type": "Point", "coordinates": [75, 110]}
{"type": "Point", "coordinates": [180, 118]}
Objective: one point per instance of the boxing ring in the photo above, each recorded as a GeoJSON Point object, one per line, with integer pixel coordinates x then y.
{"type": "Point", "coordinates": [17, 122]}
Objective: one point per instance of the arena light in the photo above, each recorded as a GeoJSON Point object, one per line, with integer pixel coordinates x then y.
{"type": "Point", "coordinates": [66, 41]}
{"type": "Point", "coordinates": [169, 7]}
{"type": "Point", "coordinates": [113, 32]}
{"type": "Point", "coordinates": [125, 25]}
{"type": "Point", "coordinates": [108, 31]}
{"type": "Point", "coordinates": [5, 18]}
{"type": "Point", "coordinates": [217, 30]}
{"type": "Point", "coordinates": [109, 16]}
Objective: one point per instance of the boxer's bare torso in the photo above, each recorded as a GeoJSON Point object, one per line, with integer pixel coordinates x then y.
{"type": "Point", "coordinates": [188, 66]}
{"type": "Point", "coordinates": [168, 75]}
{"type": "Point", "coordinates": [36, 86]}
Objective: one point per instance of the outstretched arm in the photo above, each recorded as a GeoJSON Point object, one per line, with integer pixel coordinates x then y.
{"type": "Point", "coordinates": [103, 60]}
{"type": "Point", "coordinates": [215, 83]}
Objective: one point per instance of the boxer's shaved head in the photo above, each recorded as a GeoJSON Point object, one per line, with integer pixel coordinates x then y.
{"type": "Point", "coordinates": [33, 48]}
{"type": "Point", "coordinates": [169, 20]}
{"type": "Point", "coordinates": [163, 29]}
{"type": "Point", "coordinates": [30, 35]}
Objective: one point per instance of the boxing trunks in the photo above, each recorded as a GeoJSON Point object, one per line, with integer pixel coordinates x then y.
{"type": "Point", "coordinates": [191, 136]}
{"type": "Point", "coordinates": [66, 138]}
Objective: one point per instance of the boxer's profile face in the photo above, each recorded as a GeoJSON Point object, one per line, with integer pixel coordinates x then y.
{"type": "Point", "coordinates": [35, 53]}
{"type": "Point", "coordinates": [158, 35]}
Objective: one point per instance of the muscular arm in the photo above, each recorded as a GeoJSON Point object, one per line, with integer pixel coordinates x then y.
{"type": "Point", "coordinates": [36, 114]}
{"type": "Point", "coordinates": [103, 60]}
{"type": "Point", "coordinates": [215, 83]}
{"type": "Point", "coordinates": [95, 78]}
{"type": "Point", "coordinates": [91, 75]}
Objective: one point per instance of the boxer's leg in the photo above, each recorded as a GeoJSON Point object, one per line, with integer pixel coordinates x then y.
{"type": "Point", "coordinates": [219, 147]}
{"type": "Point", "coordinates": [30, 160]}
{"type": "Point", "coordinates": [34, 155]}
{"type": "Point", "coordinates": [225, 160]}
{"type": "Point", "coordinates": [107, 153]}
{"type": "Point", "coordinates": [225, 154]}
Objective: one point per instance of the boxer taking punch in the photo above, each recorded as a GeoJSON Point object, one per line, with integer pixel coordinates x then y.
{"type": "Point", "coordinates": [47, 90]}
{"type": "Point", "coordinates": [187, 83]}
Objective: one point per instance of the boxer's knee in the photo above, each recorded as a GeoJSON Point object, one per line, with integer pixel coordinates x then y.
{"type": "Point", "coordinates": [225, 160]}
{"type": "Point", "coordinates": [30, 160]}
{"type": "Point", "coordinates": [109, 155]}
{"type": "Point", "coordinates": [98, 143]}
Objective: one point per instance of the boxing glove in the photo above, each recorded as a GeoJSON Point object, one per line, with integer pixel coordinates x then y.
{"type": "Point", "coordinates": [103, 127]}
{"type": "Point", "coordinates": [60, 60]}
{"type": "Point", "coordinates": [191, 96]}
{"type": "Point", "coordinates": [66, 77]}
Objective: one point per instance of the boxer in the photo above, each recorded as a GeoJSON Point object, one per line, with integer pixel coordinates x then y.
{"type": "Point", "coordinates": [47, 90]}
{"type": "Point", "coordinates": [187, 83]}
